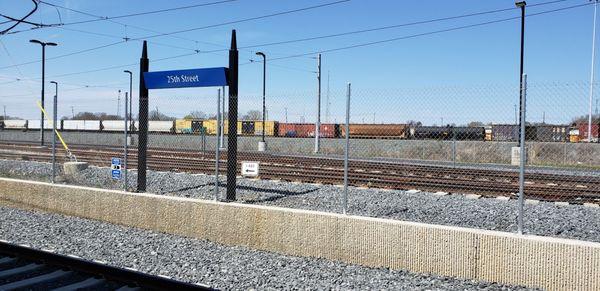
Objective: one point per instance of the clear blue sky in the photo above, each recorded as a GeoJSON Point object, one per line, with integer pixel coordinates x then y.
{"type": "Point", "coordinates": [464, 75]}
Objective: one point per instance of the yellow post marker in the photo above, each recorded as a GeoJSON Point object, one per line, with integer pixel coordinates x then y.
{"type": "Point", "coordinates": [71, 156]}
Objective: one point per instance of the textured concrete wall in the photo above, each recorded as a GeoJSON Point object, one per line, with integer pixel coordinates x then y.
{"type": "Point", "coordinates": [549, 263]}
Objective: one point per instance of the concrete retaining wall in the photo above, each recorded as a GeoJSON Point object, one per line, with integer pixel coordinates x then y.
{"type": "Point", "coordinates": [539, 153]}
{"type": "Point", "coordinates": [549, 263]}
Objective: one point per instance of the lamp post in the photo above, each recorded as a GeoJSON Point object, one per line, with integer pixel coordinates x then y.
{"type": "Point", "coordinates": [592, 72]}
{"type": "Point", "coordinates": [262, 146]}
{"type": "Point", "coordinates": [43, 44]}
{"type": "Point", "coordinates": [54, 117]}
{"type": "Point", "coordinates": [521, 5]}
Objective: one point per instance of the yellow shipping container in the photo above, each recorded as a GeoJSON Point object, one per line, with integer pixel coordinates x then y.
{"type": "Point", "coordinates": [183, 126]}
{"type": "Point", "coordinates": [211, 126]}
{"type": "Point", "coordinates": [270, 128]}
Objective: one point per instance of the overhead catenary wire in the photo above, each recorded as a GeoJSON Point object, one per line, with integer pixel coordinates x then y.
{"type": "Point", "coordinates": [19, 21]}
{"type": "Point", "coordinates": [358, 45]}
{"type": "Point", "coordinates": [427, 33]}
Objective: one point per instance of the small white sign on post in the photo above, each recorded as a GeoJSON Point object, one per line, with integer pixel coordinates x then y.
{"type": "Point", "coordinates": [250, 169]}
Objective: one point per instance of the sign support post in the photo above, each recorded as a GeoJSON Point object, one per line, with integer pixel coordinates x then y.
{"type": "Point", "coordinates": [233, 111]}
{"type": "Point", "coordinates": [206, 77]}
{"type": "Point", "coordinates": [143, 118]}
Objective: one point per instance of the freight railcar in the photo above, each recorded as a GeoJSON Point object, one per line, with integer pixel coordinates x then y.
{"type": "Point", "coordinates": [552, 133]}
{"type": "Point", "coordinates": [448, 132]}
{"type": "Point", "coordinates": [189, 126]}
{"type": "Point", "coordinates": [15, 124]}
{"type": "Point", "coordinates": [399, 131]}
{"type": "Point", "coordinates": [583, 131]}
{"type": "Point", "coordinates": [81, 125]}
{"type": "Point", "coordinates": [161, 126]}
{"type": "Point", "coordinates": [510, 132]}
{"type": "Point", "coordinates": [307, 130]}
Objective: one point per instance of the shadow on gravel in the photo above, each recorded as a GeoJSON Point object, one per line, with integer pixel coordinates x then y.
{"type": "Point", "coordinates": [191, 188]}
{"type": "Point", "coordinates": [281, 193]}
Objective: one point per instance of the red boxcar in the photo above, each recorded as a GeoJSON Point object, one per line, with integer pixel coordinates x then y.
{"type": "Point", "coordinates": [306, 130]}
{"type": "Point", "coordinates": [583, 131]}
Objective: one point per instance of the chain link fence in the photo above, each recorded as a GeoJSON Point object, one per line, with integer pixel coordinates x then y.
{"type": "Point", "coordinates": [443, 154]}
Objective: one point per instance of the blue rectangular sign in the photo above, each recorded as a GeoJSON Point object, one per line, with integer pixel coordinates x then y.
{"type": "Point", "coordinates": [116, 174]}
{"type": "Point", "coordinates": [115, 161]}
{"type": "Point", "coordinates": [208, 77]}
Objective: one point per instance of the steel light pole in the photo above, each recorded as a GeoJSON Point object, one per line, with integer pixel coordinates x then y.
{"type": "Point", "coordinates": [54, 118]}
{"type": "Point", "coordinates": [43, 44]}
{"type": "Point", "coordinates": [592, 72]}
{"type": "Point", "coordinates": [521, 5]}
{"type": "Point", "coordinates": [263, 145]}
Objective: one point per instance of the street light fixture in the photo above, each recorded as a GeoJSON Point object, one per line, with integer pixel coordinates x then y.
{"type": "Point", "coordinates": [263, 145]}
{"type": "Point", "coordinates": [43, 44]}
{"type": "Point", "coordinates": [521, 5]}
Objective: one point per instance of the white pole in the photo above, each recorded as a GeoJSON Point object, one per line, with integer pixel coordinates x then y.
{"type": "Point", "coordinates": [217, 153]}
{"type": "Point", "coordinates": [347, 149]}
{"type": "Point", "coordinates": [126, 145]}
{"type": "Point", "coordinates": [523, 155]}
{"type": "Point", "coordinates": [592, 73]}
{"type": "Point", "coordinates": [318, 123]}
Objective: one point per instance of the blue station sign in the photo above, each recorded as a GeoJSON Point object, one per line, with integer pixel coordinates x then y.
{"type": "Point", "coordinates": [207, 77]}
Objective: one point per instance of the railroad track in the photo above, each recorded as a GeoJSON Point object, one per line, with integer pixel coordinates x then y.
{"type": "Point", "coordinates": [25, 268]}
{"type": "Point", "coordinates": [485, 182]}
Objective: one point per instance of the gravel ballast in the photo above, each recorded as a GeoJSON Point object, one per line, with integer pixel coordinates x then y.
{"type": "Point", "coordinates": [199, 261]}
{"type": "Point", "coordinates": [545, 218]}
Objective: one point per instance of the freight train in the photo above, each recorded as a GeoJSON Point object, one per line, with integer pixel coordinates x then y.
{"type": "Point", "coordinates": [496, 132]}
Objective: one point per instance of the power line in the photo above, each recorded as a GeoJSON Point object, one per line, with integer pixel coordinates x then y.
{"type": "Point", "coordinates": [248, 19]}
{"type": "Point", "coordinates": [19, 21]}
{"type": "Point", "coordinates": [426, 33]}
{"type": "Point", "coordinates": [133, 14]}
{"type": "Point", "coordinates": [396, 25]}
{"type": "Point", "coordinates": [352, 46]}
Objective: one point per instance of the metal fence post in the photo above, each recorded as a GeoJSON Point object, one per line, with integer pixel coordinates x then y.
{"type": "Point", "coordinates": [522, 154]}
{"type": "Point", "coordinates": [217, 147]}
{"type": "Point", "coordinates": [346, 150]}
{"type": "Point", "coordinates": [54, 118]}
{"type": "Point", "coordinates": [125, 168]}
{"type": "Point", "coordinates": [453, 147]}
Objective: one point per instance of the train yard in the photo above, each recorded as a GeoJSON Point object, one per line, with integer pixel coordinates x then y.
{"type": "Point", "coordinates": [486, 182]}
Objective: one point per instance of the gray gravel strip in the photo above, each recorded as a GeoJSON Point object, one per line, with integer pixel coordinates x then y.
{"type": "Point", "coordinates": [571, 221]}
{"type": "Point", "coordinates": [200, 261]}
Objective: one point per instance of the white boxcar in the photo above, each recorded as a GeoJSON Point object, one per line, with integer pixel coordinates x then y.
{"type": "Point", "coordinates": [35, 124]}
{"type": "Point", "coordinates": [87, 125]}
{"type": "Point", "coordinates": [15, 124]}
{"type": "Point", "coordinates": [113, 125]}
{"type": "Point", "coordinates": [161, 126]}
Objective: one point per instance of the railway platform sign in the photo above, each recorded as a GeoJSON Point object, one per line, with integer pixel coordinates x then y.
{"type": "Point", "coordinates": [203, 77]}
{"type": "Point", "coordinates": [206, 77]}
{"type": "Point", "coordinates": [115, 168]}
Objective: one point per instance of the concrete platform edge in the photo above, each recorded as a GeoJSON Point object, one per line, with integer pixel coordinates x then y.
{"type": "Point", "coordinates": [534, 261]}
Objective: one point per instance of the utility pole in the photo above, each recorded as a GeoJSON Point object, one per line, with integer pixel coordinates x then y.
{"type": "Point", "coordinates": [286, 119]}
{"type": "Point", "coordinates": [72, 112]}
{"type": "Point", "coordinates": [373, 117]}
{"type": "Point", "coordinates": [4, 106]}
{"type": "Point", "coordinates": [318, 123]}
{"type": "Point", "coordinates": [544, 117]}
{"type": "Point", "coordinates": [516, 116]}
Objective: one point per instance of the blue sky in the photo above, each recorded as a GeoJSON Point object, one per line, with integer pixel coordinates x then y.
{"type": "Point", "coordinates": [462, 75]}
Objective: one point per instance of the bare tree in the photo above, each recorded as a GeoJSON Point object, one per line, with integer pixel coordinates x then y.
{"type": "Point", "coordinates": [252, 115]}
